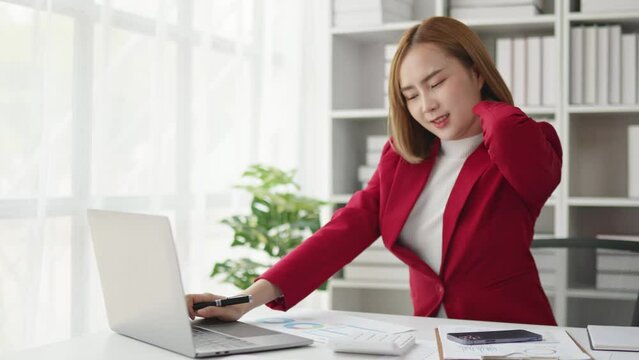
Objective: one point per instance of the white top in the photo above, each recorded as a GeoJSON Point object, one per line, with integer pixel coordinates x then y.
{"type": "Point", "coordinates": [422, 232]}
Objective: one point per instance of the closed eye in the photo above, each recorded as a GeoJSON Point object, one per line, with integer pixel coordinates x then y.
{"type": "Point", "coordinates": [437, 84]}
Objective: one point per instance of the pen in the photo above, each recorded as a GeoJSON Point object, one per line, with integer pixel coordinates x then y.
{"type": "Point", "coordinates": [497, 357]}
{"type": "Point", "coordinates": [231, 300]}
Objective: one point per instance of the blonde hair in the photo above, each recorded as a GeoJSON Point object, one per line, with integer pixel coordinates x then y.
{"type": "Point", "coordinates": [410, 139]}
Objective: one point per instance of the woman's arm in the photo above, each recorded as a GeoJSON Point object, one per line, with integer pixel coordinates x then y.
{"type": "Point", "coordinates": [351, 230]}
{"type": "Point", "coordinates": [526, 152]}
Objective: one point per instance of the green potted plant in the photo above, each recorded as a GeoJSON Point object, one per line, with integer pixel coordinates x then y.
{"type": "Point", "coordinates": [279, 220]}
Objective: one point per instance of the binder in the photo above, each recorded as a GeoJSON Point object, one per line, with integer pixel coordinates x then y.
{"type": "Point", "coordinates": [603, 53]}
{"type": "Point", "coordinates": [629, 69]}
{"type": "Point", "coordinates": [504, 56]}
{"type": "Point", "coordinates": [533, 78]}
{"type": "Point", "coordinates": [549, 70]}
{"type": "Point", "coordinates": [576, 65]}
{"type": "Point", "coordinates": [614, 63]}
{"type": "Point", "coordinates": [519, 71]}
{"type": "Point", "coordinates": [590, 65]}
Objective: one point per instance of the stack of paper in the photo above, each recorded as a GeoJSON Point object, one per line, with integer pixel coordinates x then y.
{"type": "Point", "coordinates": [468, 9]}
{"type": "Point", "coordinates": [322, 327]}
{"type": "Point", "coordinates": [598, 6]}
{"type": "Point", "coordinates": [374, 146]}
{"type": "Point", "coordinates": [624, 338]}
{"type": "Point", "coordinates": [618, 270]}
{"type": "Point", "coordinates": [546, 261]}
{"type": "Point", "coordinates": [370, 12]}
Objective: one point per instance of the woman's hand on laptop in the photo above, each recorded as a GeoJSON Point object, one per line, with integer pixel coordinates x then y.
{"type": "Point", "coordinates": [261, 292]}
{"type": "Point", "coordinates": [224, 313]}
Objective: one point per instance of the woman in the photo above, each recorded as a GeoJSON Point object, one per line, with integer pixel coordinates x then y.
{"type": "Point", "coordinates": [455, 196]}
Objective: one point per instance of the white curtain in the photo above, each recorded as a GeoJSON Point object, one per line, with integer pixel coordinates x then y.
{"type": "Point", "coordinates": [152, 106]}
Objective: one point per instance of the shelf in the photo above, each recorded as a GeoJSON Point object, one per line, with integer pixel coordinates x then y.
{"type": "Point", "coordinates": [541, 237]}
{"type": "Point", "coordinates": [625, 18]}
{"type": "Point", "coordinates": [343, 199]}
{"type": "Point", "coordinates": [538, 110]}
{"type": "Point", "coordinates": [361, 284]}
{"type": "Point", "coordinates": [340, 198]}
{"type": "Point", "coordinates": [350, 284]}
{"type": "Point", "coordinates": [603, 201]}
{"type": "Point", "coordinates": [383, 113]}
{"type": "Point", "coordinates": [600, 294]}
{"type": "Point", "coordinates": [392, 32]}
{"type": "Point", "coordinates": [603, 109]}
{"type": "Point", "coordinates": [497, 26]}
{"type": "Point", "coordinates": [360, 114]}
{"type": "Point", "coordinates": [386, 33]}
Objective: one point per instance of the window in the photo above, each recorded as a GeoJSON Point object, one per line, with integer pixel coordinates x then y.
{"type": "Point", "coordinates": [117, 104]}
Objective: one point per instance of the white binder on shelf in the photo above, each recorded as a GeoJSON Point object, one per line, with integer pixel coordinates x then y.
{"type": "Point", "coordinates": [549, 70]}
{"type": "Point", "coordinates": [504, 56]}
{"type": "Point", "coordinates": [629, 69]}
{"type": "Point", "coordinates": [576, 64]}
{"type": "Point", "coordinates": [603, 52]}
{"type": "Point", "coordinates": [590, 65]}
{"type": "Point", "coordinates": [633, 161]}
{"type": "Point", "coordinates": [614, 64]}
{"type": "Point", "coordinates": [533, 78]}
{"type": "Point", "coordinates": [519, 71]}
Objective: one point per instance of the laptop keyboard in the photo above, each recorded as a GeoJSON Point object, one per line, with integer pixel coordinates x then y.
{"type": "Point", "coordinates": [205, 339]}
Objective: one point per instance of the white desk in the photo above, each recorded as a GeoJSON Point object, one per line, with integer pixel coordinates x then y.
{"type": "Point", "coordinates": [111, 346]}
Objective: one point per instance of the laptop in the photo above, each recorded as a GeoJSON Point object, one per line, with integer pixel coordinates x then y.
{"type": "Point", "coordinates": [143, 292]}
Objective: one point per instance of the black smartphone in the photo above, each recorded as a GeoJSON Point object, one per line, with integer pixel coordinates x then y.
{"type": "Point", "coordinates": [493, 337]}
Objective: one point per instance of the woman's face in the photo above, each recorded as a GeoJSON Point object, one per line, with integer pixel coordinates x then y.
{"type": "Point", "coordinates": [440, 92]}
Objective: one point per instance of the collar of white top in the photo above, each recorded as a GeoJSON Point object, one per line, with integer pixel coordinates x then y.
{"type": "Point", "coordinates": [461, 148]}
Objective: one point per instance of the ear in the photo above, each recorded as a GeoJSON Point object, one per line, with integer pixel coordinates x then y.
{"type": "Point", "coordinates": [478, 78]}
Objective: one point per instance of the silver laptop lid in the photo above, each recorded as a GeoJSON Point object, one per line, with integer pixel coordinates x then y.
{"type": "Point", "coordinates": [140, 279]}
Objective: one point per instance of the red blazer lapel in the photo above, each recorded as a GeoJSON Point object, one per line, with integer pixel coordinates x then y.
{"type": "Point", "coordinates": [407, 185]}
{"type": "Point", "coordinates": [472, 169]}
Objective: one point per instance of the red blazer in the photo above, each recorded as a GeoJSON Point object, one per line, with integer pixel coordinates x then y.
{"type": "Point", "coordinates": [487, 270]}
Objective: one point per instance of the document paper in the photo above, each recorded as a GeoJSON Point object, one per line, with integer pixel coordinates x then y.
{"type": "Point", "coordinates": [556, 343]}
{"type": "Point", "coordinates": [322, 327]}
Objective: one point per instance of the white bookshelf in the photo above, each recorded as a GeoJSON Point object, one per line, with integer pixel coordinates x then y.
{"type": "Point", "coordinates": [608, 109]}
{"type": "Point", "coordinates": [362, 284]}
{"type": "Point", "coordinates": [591, 199]}
{"type": "Point", "coordinates": [539, 110]}
{"type": "Point", "coordinates": [601, 201]}
{"type": "Point", "coordinates": [600, 294]}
